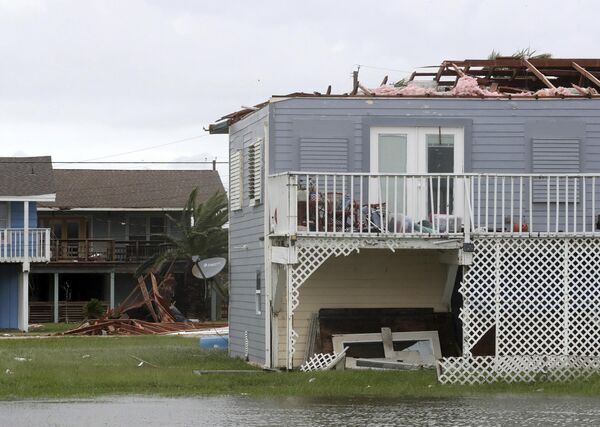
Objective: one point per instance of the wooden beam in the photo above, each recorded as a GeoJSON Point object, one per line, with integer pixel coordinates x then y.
{"type": "Point", "coordinates": [439, 73]}
{"type": "Point", "coordinates": [586, 73]}
{"type": "Point", "coordinates": [458, 70]}
{"type": "Point", "coordinates": [384, 81]}
{"type": "Point", "coordinates": [581, 90]}
{"type": "Point", "coordinates": [538, 74]}
{"type": "Point", "coordinates": [365, 90]}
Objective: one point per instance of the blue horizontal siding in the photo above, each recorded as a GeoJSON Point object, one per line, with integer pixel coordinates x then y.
{"type": "Point", "coordinates": [9, 296]}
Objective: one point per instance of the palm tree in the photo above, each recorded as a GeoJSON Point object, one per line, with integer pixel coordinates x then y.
{"type": "Point", "coordinates": [199, 233]}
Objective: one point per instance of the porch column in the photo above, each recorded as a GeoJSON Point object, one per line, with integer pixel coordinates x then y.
{"type": "Point", "coordinates": [23, 323]}
{"type": "Point", "coordinates": [111, 291]}
{"type": "Point", "coordinates": [23, 313]}
{"type": "Point", "coordinates": [55, 297]}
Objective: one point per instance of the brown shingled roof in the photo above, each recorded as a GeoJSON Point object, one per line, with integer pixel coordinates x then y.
{"type": "Point", "coordinates": [131, 189]}
{"type": "Point", "coordinates": [26, 176]}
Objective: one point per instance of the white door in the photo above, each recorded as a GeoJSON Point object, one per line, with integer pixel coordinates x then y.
{"type": "Point", "coordinates": [393, 151]}
{"type": "Point", "coordinates": [417, 151]}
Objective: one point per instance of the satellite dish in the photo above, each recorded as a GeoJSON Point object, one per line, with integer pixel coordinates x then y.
{"type": "Point", "coordinates": [210, 267]}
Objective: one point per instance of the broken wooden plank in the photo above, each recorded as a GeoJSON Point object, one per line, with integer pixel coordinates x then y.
{"type": "Point", "coordinates": [143, 361]}
{"type": "Point", "coordinates": [229, 371]}
{"type": "Point", "coordinates": [458, 70]}
{"type": "Point", "coordinates": [388, 344]}
{"type": "Point", "coordinates": [538, 74]}
{"type": "Point", "coordinates": [386, 364]}
{"type": "Point", "coordinates": [365, 90]}
{"type": "Point", "coordinates": [583, 91]}
{"type": "Point", "coordinates": [142, 285]}
{"type": "Point", "coordinates": [586, 73]}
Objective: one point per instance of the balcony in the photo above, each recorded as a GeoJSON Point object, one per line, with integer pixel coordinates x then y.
{"type": "Point", "coordinates": [105, 250]}
{"type": "Point", "coordinates": [433, 206]}
{"type": "Point", "coordinates": [15, 246]}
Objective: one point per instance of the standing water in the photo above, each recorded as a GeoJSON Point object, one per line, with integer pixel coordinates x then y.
{"type": "Point", "coordinates": [248, 411]}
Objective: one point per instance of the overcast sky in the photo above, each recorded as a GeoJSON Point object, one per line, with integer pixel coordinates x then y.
{"type": "Point", "coordinates": [87, 79]}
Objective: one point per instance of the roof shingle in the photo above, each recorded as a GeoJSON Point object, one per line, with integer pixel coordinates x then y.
{"type": "Point", "coordinates": [26, 176]}
{"type": "Point", "coordinates": [131, 189]}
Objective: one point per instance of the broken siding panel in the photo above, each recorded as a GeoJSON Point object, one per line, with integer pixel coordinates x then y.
{"type": "Point", "coordinates": [246, 229]}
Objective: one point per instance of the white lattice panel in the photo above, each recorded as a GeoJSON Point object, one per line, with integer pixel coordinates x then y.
{"type": "Point", "coordinates": [584, 297]}
{"type": "Point", "coordinates": [542, 295]}
{"type": "Point", "coordinates": [312, 253]}
{"type": "Point", "coordinates": [478, 314]}
{"type": "Point", "coordinates": [487, 369]}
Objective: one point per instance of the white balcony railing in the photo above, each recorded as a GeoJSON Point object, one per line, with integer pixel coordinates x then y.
{"type": "Point", "coordinates": [16, 247]}
{"type": "Point", "coordinates": [433, 205]}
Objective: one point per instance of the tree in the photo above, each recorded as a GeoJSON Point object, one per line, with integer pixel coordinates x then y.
{"type": "Point", "coordinates": [200, 233]}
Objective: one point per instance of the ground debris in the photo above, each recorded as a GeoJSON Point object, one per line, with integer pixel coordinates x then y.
{"type": "Point", "coordinates": [144, 312]}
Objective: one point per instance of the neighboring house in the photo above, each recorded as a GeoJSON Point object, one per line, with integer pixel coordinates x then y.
{"type": "Point", "coordinates": [104, 224]}
{"type": "Point", "coordinates": [25, 182]}
{"type": "Point", "coordinates": [356, 211]}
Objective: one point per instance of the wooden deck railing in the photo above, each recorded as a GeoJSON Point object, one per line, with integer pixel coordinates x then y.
{"type": "Point", "coordinates": [16, 247]}
{"type": "Point", "coordinates": [72, 311]}
{"type": "Point", "coordinates": [105, 250]}
{"type": "Point", "coordinates": [430, 205]}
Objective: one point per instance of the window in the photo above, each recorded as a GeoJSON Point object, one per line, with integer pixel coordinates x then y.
{"type": "Point", "coordinates": [235, 181]}
{"type": "Point", "coordinates": [4, 219]}
{"type": "Point", "coordinates": [440, 159]}
{"type": "Point", "coordinates": [157, 228]}
{"type": "Point", "coordinates": [258, 293]}
{"type": "Point", "coordinates": [137, 228]}
{"type": "Point", "coordinates": [254, 173]}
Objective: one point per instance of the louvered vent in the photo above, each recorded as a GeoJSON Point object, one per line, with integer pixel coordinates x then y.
{"type": "Point", "coordinates": [255, 172]}
{"type": "Point", "coordinates": [235, 181]}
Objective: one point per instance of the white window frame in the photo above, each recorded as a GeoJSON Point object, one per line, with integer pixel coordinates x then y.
{"type": "Point", "coordinates": [258, 293]}
{"type": "Point", "coordinates": [7, 204]}
{"type": "Point", "coordinates": [416, 146]}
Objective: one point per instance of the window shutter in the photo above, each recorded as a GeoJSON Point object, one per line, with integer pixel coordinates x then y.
{"type": "Point", "coordinates": [235, 181]}
{"type": "Point", "coordinates": [255, 172]}
{"type": "Point", "coordinates": [550, 156]}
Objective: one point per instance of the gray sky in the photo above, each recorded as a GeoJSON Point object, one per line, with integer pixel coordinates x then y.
{"type": "Point", "coordinates": [86, 79]}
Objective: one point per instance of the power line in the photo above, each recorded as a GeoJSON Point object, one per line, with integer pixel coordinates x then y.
{"type": "Point", "coordinates": [382, 68]}
{"type": "Point", "coordinates": [149, 148]}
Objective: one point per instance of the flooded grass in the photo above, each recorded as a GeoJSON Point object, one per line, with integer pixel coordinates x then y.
{"type": "Point", "coordinates": [69, 367]}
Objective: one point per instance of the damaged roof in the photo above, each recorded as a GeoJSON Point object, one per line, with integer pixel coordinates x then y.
{"type": "Point", "coordinates": [26, 176]}
{"type": "Point", "coordinates": [131, 189]}
{"type": "Point", "coordinates": [502, 78]}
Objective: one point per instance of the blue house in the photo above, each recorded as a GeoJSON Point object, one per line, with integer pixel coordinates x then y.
{"type": "Point", "coordinates": [466, 204]}
{"type": "Point", "coordinates": [24, 182]}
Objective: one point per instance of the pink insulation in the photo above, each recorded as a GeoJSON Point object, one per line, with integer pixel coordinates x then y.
{"type": "Point", "coordinates": [468, 86]}
{"type": "Point", "coordinates": [556, 92]}
{"type": "Point", "coordinates": [410, 90]}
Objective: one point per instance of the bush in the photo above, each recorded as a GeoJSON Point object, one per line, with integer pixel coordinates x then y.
{"type": "Point", "coordinates": [93, 309]}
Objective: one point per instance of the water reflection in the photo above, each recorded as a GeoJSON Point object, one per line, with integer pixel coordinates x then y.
{"type": "Point", "coordinates": [248, 411]}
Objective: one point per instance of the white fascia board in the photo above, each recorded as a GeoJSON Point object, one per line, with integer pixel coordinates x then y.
{"type": "Point", "coordinates": [111, 209]}
{"type": "Point", "coordinates": [32, 198]}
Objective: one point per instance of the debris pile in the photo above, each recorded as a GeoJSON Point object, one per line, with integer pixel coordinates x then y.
{"type": "Point", "coordinates": [144, 311]}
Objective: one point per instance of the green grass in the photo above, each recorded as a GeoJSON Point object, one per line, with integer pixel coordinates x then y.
{"type": "Point", "coordinates": [90, 366]}
{"type": "Point", "coordinates": [40, 329]}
